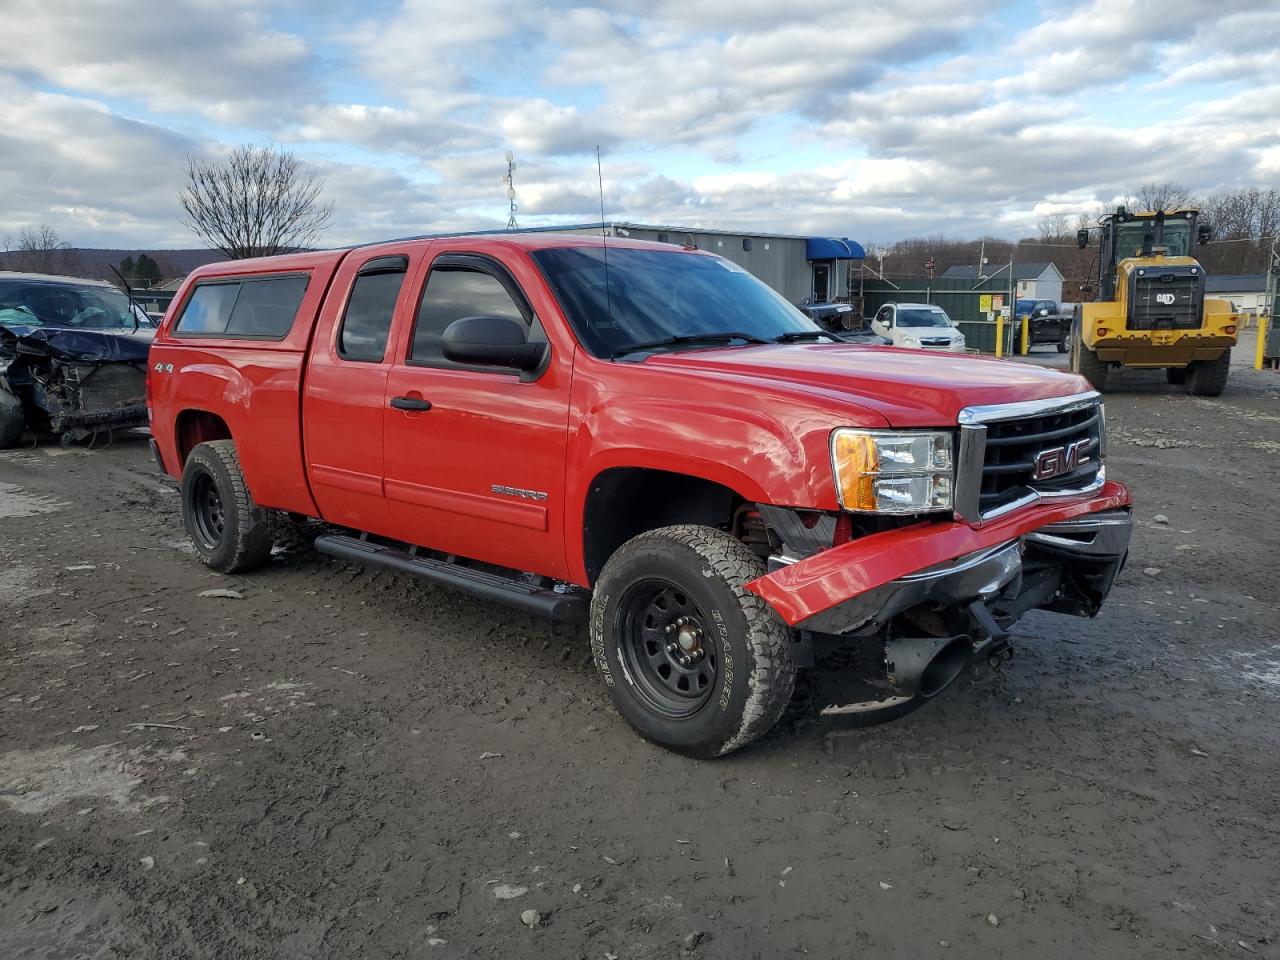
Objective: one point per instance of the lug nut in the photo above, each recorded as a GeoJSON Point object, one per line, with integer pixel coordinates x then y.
{"type": "Point", "coordinates": [672, 647]}
{"type": "Point", "coordinates": [670, 628]}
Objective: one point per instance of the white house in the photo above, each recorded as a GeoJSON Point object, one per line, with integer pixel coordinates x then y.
{"type": "Point", "coordinates": [1033, 281]}
{"type": "Point", "coordinates": [1246, 291]}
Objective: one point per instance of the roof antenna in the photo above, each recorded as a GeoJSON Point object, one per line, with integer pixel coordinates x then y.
{"type": "Point", "coordinates": [604, 239]}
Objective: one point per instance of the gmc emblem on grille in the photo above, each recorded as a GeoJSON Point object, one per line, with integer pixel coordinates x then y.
{"type": "Point", "coordinates": [1059, 460]}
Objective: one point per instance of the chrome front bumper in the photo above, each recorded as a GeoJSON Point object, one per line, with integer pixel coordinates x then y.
{"type": "Point", "coordinates": [1098, 539]}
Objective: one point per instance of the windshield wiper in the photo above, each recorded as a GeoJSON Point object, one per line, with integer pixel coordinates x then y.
{"type": "Point", "coordinates": [688, 338]}
{"type": "Point", "coordinates": [796, 336]}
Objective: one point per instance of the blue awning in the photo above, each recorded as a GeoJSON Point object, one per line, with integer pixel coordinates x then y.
{"type": "Point", "coordinates": [832, 248]}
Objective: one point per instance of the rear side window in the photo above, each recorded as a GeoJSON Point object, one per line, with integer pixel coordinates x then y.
{"type": "Point", "coordinates": [250, 309]}
{"type": "Point", "coordinates": [451, 294]}
{"type": "Point", "coordinates": [366, 322]}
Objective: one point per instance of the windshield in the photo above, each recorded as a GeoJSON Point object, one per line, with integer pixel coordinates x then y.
{"type": "Point", "coordinates": [657, 294]}
{"type": "Point", "coordinates": [1129, 237]}
{"type": "Point", "coordinates": [81, 306]}
{"type": "Point", "coordinates": [922, 318]}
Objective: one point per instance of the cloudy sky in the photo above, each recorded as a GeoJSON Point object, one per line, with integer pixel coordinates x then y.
{"type": "Point", "coordinates": [874, 120]}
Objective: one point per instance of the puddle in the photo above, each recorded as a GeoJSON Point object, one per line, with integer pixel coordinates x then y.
{"type": "Point", "coordinates": [16, 502]}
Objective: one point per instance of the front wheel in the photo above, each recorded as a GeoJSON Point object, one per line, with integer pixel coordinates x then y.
{"type": "Point", "coordinates": [13, 424]}
{"type": "Point", "coordinates": [691, 659]}
{"type": "Point", "coordinates": [1064, 340]}
{"type": "Point", "coordinates": [230, 532]}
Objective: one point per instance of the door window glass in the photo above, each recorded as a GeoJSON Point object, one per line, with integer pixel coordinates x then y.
{"type": "Point", "coordinates": [451, 294]}
{"type": "Point", "coordinates": [366, 323]}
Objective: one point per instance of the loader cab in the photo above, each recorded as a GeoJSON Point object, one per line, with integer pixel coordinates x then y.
{"type": "Point", "coordinates": [1126, 235]}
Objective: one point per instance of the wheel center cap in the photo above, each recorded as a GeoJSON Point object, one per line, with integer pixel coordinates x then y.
{"type": "Point", "coordinates": [688, 638]}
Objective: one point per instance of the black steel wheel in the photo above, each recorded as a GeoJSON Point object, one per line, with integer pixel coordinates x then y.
{"type": "Point", "coordinates": [208, 515]}
{"type": "Point", "coordinates": [690, 658]}
{"type": "Point", "coordinates": [667, 648]}
{"type": "Point", "coordinates": [229, 531]}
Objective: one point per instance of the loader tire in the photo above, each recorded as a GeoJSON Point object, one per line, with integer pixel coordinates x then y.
{"type": "Point", "coordinates": [691, 659]}
{"type": "Point", "coordinates": [1085, 362]}
{"type": "Point", "coordinates": [1208, 378]}
{"type": "Point", "coordinates": [230, 532]}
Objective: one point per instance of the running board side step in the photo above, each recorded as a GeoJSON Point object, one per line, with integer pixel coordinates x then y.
{"type": "Point", "coordinates": [478, 583]}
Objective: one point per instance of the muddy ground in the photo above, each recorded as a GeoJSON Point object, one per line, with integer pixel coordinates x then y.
{"type": "Point", "coordinates": [349, 764]}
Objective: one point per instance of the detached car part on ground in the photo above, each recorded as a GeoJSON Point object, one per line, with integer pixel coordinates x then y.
{"type": "Point", "coordinates": [73, 358]}
{"type": "Point", "coordinates": [664, 448]}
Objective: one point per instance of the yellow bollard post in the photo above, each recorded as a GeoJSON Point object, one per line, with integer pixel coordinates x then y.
{"type": "Point", "coordinates": [999, 334]}
{"type": "Point", "coordinates": [1026, 335]}
{"type": "Point", "coordinates": [1264, 327]}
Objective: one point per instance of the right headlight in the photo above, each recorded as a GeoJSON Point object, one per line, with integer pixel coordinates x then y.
{"type": "Point", "coordinates": [881, 471]}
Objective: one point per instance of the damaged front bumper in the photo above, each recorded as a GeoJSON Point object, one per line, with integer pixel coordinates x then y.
{"type": "Point", "coordinates": [913, 607]}
{"type": "Point", "coordinates": [858, 587]}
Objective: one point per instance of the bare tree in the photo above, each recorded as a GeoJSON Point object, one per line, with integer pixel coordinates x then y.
{"type": "Point", "coordinates": [41, 250]}
{"type": "Point", "coordinates": [1054, 226]}
{"type": "Point", "coordinates": [1162, 196]}
{"type": "Point", "coordinates": [257, 202]}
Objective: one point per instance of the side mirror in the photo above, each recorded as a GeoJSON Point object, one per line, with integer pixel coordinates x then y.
{"type": "Point", "coordinates": [1044, 313]}
{"type": "Point", "coordinates": [1082, 238]}
{"type": "Point", "coordinates": [492, 342]}
{"type": "Point", "coordinates": [1204, 233]}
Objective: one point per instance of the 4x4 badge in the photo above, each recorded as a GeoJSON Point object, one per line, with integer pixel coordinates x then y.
{"type": "Point", "coordinates": [1058, 460]}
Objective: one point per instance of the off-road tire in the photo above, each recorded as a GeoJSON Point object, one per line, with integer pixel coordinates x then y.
{"type": "Point", "coordinates": [1083, 360]}
{"type": "Point", "coordinates": [1177, 376]}
{"type": "Point", "coordinates": [756, 675]}
{"type": "Point", "coordinates": [245, 540]}
{"type": "Point", "coordinates": [1208, 378]}
{"type": "Point", "coordinates": [13, 422]}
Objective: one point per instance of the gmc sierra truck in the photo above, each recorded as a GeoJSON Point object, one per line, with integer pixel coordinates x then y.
{"type": "Point", "coordinates": [647, 439]}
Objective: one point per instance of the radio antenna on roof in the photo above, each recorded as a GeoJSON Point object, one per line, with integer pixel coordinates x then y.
{"type": "Point", "coordinates": [604, 238]}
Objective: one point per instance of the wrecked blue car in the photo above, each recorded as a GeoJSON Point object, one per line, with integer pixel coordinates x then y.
{"type": "Point", "coordinates": [73, 358]}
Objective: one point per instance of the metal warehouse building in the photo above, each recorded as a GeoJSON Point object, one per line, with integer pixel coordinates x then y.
{"type": "Point", "coordinates": [798, 267]}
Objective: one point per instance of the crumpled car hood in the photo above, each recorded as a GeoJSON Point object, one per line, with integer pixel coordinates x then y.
{"type": "Point", "coordinates": [73, 343]}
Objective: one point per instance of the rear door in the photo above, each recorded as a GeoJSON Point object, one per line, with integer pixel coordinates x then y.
{"type": "Point", "coordinates": [346, 381]}
{"type": "Point", "coordinates": [475, 457]}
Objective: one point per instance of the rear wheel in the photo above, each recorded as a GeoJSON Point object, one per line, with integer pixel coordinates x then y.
{"type": "Point", "coordinates": [692, 660]}
{"type": "Point", "coordinates": [1064, 340]}
{"type": "Point", "coordinates": [230, 532]}
{"type": "Point", "coordinates": [1208, 378]}
{"type": "Point", "coordinates": [1176, 376]}
{"type": "Point", "coordinates": [13, 424]}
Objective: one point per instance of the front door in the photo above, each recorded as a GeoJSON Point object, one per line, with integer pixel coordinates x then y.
{"type": "Point", "coordinates": [479, 471]}
{"type": "Point", "coordinates": [821, 282]}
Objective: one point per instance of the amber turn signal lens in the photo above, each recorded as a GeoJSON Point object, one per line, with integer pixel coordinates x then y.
{"type": "Point", "coordinates": [1103, 331]}
{"type": "Point", "coordinates": [856, 462]}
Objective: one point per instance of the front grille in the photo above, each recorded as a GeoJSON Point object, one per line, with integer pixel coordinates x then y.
{"type": "Point", "coordinates": [1014, 446]}
{"type": "Point", "coordinates": [935, 342]}
{"type": "Point", "coordinates": [1165, 298]}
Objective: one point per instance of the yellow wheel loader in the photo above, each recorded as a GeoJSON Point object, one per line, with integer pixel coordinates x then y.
{"type": "Point", "coordinates": [1150, 310]}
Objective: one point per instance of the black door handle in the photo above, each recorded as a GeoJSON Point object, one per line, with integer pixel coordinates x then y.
{"type": "Point", "coordinates": [410, 403]}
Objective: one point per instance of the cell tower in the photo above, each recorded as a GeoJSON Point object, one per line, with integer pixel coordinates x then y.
{"type": "Point", "coordinates": [510, 181]}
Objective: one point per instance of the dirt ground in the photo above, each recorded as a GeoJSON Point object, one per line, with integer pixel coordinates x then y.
{"type": "Point", "coordinates": [340, 763]}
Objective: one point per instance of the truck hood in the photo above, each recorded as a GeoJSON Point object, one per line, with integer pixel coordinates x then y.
{"type": "Point", "coordinates": [907, 388]}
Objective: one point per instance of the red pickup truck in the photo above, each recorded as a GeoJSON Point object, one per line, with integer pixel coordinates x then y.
{"type": "Point", "coordinates": [649, 439]}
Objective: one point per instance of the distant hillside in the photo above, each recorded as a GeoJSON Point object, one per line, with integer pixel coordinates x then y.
{"type": "Point", "coordinates": [93, 262]}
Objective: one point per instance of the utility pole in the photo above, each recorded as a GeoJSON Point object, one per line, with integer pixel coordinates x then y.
{"type": "Point", "coordinates": [510, 181]}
